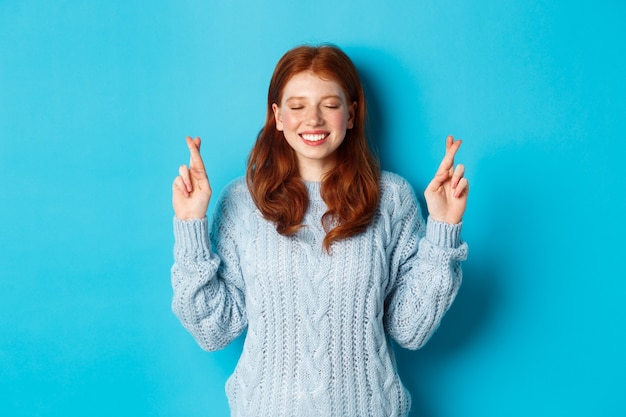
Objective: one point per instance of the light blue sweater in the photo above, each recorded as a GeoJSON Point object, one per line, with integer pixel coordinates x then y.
{"type": "Point", "coordinates": [317, 324]}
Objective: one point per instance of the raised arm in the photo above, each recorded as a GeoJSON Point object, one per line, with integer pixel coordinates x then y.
{"type": "Point", "coordinates": [208, 287]}
{"type": "Point", "coordinates": [425, 269]}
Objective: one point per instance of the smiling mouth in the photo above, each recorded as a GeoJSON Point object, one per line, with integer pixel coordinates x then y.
{"type": "Point", "coordinates": [313, 137]}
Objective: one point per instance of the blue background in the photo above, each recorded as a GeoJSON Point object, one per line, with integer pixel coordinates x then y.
{"type": "Point", "coordinates": [96, 98]}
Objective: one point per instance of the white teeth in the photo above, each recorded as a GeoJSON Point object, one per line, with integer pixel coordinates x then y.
{"type": "Point", "coordinates": [314, 138]}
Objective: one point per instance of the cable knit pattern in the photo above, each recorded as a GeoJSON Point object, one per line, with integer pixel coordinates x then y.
{"type": "Point", "coordinates": [317, 324]}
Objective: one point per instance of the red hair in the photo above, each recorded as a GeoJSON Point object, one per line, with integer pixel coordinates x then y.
{"type": "Point", "coordinates": [350, 189]}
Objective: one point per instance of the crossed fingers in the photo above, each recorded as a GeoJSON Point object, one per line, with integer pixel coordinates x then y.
{"type": "Point", "coordinates": [447, 171]}
{"type": "Point", "coordinates": [188, 176]}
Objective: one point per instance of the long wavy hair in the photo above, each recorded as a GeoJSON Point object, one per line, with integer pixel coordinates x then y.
{"type": "Point", "coordinates": [350, 189]}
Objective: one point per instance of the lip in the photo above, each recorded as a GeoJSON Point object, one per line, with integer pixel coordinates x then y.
{"type": "Point", "coordinates": [314, 138]}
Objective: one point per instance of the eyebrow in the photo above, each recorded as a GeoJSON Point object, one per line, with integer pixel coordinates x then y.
{"type": "Point", "coordinates": [304, 98]}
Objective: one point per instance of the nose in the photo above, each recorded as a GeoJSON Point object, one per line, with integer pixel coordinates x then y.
{"type": "Point", "coordinates": [314, 116]}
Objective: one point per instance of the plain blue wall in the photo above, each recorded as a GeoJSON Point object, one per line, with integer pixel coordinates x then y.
{"type": "Point", "coordinates": [97, 96]}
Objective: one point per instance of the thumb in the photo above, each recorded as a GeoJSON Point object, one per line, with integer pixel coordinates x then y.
{"type": "Point", "coordinates": [438, 180]}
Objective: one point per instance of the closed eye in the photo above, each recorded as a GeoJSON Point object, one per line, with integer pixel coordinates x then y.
{"type": "Point", "coordinates": [332, 104]}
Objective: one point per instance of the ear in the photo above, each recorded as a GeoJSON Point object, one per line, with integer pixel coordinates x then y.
{"type": "Point", "coordinates": [351, 115]}
{"type": "Point", "coordinates": [277, 117]}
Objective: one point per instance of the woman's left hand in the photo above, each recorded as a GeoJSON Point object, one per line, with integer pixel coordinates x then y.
{"type": "Point", "coordinates": [446, 195]}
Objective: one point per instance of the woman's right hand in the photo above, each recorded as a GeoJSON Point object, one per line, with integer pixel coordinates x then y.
{"type": "Point", "coordinates": [191, 191]}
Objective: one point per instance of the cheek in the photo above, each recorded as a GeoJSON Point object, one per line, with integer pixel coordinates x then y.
{"type": "Point", "coordinates": [339, 120]}
{"type": "Point", "coordinates": [290, 120]}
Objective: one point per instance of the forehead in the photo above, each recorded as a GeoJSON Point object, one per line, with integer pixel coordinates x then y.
{"type": "Point", "coordinates": [309, 84]}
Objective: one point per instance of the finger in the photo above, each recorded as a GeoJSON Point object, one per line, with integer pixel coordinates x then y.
{"type": "Point", "coordinates": [201, 182]}
{"type": "Point", "coordinates": [448, 159]}
{"type": "Point", "coordinates": [194, 151]}
{"type": "Point", "coordinates": [446, 168]}
{"type": "Point", "coordinates": [179, 186]}
{"type": "Point", "coordinates": [458, 173]}
{"type": "Point", "coordinates": [199, 176]}
{"type": "Point", "coordinates": [183, 173]}
{"type": "Point", "coordinates": [438, 181]}
{"type": "Point", "coordinates": [196, 141]}
{"type": "Point", "coordinates": [462, 188]}
{"type": "Point", "coordinates": [449, 142]}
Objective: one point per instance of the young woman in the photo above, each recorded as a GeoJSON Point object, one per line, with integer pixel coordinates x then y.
{"type": "Point", "coordinates": [323, 258]}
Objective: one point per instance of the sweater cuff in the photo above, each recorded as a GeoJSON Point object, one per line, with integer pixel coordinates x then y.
{"type": "Point", "coordinates": [443, 234]}
{"type": "Point", "coordinates": [192, 235]}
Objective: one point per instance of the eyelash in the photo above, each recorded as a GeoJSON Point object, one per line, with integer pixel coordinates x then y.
{"type": "Point", "coordinates": [332, 107]}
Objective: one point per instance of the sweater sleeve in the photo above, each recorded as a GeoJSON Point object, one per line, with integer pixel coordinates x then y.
{"type": "Point", "coordinates": [425, 271]}
{"type": "Point", "coordinates": [209, 293]}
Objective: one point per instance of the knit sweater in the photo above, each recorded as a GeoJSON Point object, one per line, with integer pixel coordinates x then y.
{"type": "Point", "coordinates": [319, 325]}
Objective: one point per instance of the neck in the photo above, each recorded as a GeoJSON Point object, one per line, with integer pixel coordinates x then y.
{"type": "Point", "coordinates": [314, 172]}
